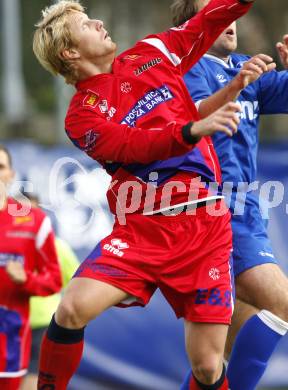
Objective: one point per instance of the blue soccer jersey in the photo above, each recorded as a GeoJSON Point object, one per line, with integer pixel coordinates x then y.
{"type": "Point", "coordinates": [267, 95]}
{"type": "Point", "coordinates": [238, 155]}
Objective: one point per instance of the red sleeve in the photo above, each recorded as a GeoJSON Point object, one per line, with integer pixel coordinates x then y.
{"type": "Point", "coordinates": [107, 141]}
{"type": "Point", "coordinates": [186, 44]}
{"type": "Point", "coordinates": [47, 279]}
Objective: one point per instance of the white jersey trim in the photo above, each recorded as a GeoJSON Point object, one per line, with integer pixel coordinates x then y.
{"type": "Point", "coordinates": [15, 374]}
{"type": "Point", "coordinates": [231, 281]}
{"type": "Point", "coordinates": [197, 104]}
{"type": "Point", "coordinates": [43, 232]}
{"type": "Point", "coordinates": [178, 207]}
{"type": "Point", "coordinates": [221, 62]}
{"type": "Point", "coordinates": [156, 42]}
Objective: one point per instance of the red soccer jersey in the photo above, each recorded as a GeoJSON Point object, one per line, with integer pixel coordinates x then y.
{"type": "Point", "coordinates": [28, 239]}
{"type": "Point", "coordinates": [131, 119]}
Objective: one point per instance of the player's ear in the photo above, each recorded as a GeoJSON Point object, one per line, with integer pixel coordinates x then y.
{"type": "Point", "coordinates": [70, 54]}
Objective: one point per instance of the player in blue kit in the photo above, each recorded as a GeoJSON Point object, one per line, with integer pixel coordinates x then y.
{"type": "Point", "coordinates": [259, 280]}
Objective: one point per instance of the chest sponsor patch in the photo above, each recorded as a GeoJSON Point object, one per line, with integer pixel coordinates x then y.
{"type": "Point", "coordinates": [147, 103]}
{"type": "Point", "coordinates": [249, 110]}
{"type": "Point", "coordinates": [143, 68]}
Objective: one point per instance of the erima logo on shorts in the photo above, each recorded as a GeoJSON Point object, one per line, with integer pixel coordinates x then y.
{"type": "Point", "coordinates": [116, 246]}
{"type": "Point", "coordinates": [147, 103]}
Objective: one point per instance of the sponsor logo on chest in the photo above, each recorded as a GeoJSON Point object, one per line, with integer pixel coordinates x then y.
{"type": "Point", "coordinates": [147, 103]}
{"type": "Point", "coordinates": [147, 66]}
{"type": "Point", "coordinates": [249, 109]}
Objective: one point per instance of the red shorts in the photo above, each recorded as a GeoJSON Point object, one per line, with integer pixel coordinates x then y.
{"type": "Point", "coordinates": [186, 256]}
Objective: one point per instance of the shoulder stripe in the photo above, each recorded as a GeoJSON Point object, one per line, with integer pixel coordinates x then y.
{"type": "Point", "coordinates": [43, 232]}
{"type": "Point", "coordinates": [163, 48]}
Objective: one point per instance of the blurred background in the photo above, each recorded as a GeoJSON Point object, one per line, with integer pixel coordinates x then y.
{"type": "Point", "coordinates": [135, 348]}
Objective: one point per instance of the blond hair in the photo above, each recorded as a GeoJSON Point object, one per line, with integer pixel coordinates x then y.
{"type": "Point", "coordinates": [53, 36]}
{"type": "Point", "coordinates": [182, 10]}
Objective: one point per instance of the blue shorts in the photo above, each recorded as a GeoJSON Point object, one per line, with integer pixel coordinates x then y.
{"type": "Point", "coordinates": [251, 245]}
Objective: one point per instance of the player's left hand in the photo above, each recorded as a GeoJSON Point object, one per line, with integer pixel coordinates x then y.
{"type": "Point", "coordinates": [253, 69]}
{"type": "Point", "coordinates": [282, 48]}
{"type": "Point", "coordinates": [16, 272]}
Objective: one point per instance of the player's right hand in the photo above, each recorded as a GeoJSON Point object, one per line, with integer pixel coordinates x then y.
{"type": "Point", "coordinates": [253, 69]}
{"type": "Point", "coordinates": [226, 119]}
{"type": "Point", "coordinates": [16, 272]}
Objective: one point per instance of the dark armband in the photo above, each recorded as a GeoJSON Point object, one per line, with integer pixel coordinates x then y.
{"type": "Point", "coordinates": [187, 136]}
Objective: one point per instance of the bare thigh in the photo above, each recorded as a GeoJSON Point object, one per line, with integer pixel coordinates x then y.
{"type": "Point", "coordinates": [85, 299]}
{"type": "Point", "coordinates": [265, 287]}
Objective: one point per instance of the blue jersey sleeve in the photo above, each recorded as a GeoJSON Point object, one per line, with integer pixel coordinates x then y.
{"type": "Point", "coordinates": [197, 84]}
{"type": "Point", "coordinates": [273, 93]}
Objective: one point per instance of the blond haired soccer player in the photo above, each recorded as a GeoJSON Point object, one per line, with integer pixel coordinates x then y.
{"type": "Point", "coordinates": [133, 114]}
{"type": "Point", "coordinates": [224, 74]}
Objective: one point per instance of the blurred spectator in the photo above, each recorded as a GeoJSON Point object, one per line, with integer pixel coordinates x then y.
{"type": "Point", "coordinates": [42, 309]}
{"type": "Point", "coordinates": [28, 266]}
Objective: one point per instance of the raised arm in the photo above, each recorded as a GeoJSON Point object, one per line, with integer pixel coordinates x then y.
{"type": "Point", "coordinates": [251, 71]}
{"type": "Point", "coordinates": [186, 44]}
{"type": "Point", "coordinates": [107, 141]}
{"type": "Point", "coordinates": [111, 142]}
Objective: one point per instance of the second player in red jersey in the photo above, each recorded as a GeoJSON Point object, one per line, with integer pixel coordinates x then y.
{"type": "Point", "coordinates": [28, 266]}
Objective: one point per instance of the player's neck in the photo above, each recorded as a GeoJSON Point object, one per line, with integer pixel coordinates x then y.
{"type": "Point", "coordinates": [88, 69]}
{"type": "Point", "coordinates": [224, 57]}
